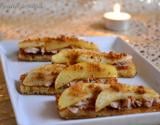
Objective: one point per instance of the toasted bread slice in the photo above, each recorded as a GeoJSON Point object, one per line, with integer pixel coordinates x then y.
{"type": "Point", "coordinates": [123, 62]}
{"type": "Point", "coordinates": [89, 100]}
{"type": "Point", "coordinates": [81, 72]}
{"type": "Point", "coordinates": [83, 114]}
{"type": "Point", "coordinates": [40, 80]}
{"type": "Point", "coordinates": [42, 49]}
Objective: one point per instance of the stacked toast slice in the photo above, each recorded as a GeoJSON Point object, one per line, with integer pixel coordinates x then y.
{"type": "Point", "coordinates": [41, 49]}
{"type": "Point", "coordinates": [122, 61]}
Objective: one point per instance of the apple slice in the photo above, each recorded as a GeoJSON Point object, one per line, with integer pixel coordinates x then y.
{"type": "Point", "coordinates": [110, 94]}
{"type": "Point", "coordinates": [60, 57]}
{"type": "Point", "coordinates": [74, 94]}
{"type": "Point", "coordinates": [43, 75]}
{"type": "Point", "coordinates": [84, 71]}
{"type": "Point", "coordinates": [106, 97]}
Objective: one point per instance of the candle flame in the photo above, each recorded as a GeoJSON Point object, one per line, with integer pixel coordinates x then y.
{"type": "Point", "coordinates": [117, 8]}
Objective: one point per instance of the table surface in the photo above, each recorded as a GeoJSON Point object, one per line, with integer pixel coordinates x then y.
{"type": "Point", "coordinates": [21, 23]}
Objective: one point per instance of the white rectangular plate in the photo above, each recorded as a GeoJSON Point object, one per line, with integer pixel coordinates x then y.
{"type": "Point", "coordinates": [41, 110]}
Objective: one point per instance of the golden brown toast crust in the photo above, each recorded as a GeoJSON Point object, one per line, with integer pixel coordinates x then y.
{"type": "Point", "coordinates": [66, 114]}
{"type": "Point", "coordinates": [36, 90]}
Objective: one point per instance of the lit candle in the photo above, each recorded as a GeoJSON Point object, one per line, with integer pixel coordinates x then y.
{"type": "Point", "coordinates": [117, 20]}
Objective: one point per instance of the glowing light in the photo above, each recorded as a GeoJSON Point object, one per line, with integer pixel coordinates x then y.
{"type": "Point", "coordinates": [117, 8]}
{"type": "Point", "coordinates": [149, 1]}
{"type": "Point", "coordinates": [117, 14]}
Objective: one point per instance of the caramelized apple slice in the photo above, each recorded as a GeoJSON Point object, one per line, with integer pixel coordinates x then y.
{"type": "Point", "coordinates": [76, 93]}
{"type": "Point", "coordinates": [84, 71]}
{"type": "Point", "coordinates": [43, 75]}
{"type": "Point", "coordinates": [119, 91]}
